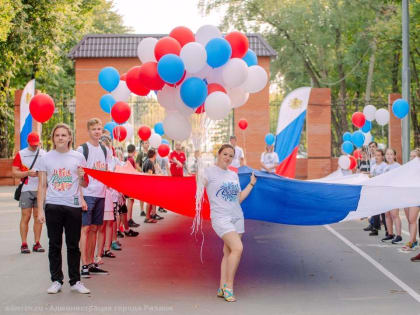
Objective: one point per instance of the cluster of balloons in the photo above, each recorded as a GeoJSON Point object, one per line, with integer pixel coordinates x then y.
{"type": "Point", "coordinates": [155, 138]}
{"type": "Point", "coordinates": [41, 107]}
{"type": "Point", "coordinates": [347, 162]}
{"type": "Point", "coordinates": [190, 73]}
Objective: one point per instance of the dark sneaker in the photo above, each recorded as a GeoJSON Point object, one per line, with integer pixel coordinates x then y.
{"type": "Point", "coordinates": [131, 223]}
{"type": "Point", "coordinates": [162, 210]}
{"type": "Point", "coordinates": [38, 248]}
{"type": "Point", "coordinates": [368, 228]}
{"type": "Point", "coordinates": [387, 238]}
{"type": "Point", "coordinates": [374, 232]}
{"type": "Point", "coordinates": [97, 271]}
{"type": "Point", "coordinates": [131, 233]}
{"type": "Point", "coordinates": [143, 214]}
{"type": "Point", "coordinates": [415, 258]}
{"type": "Point", "coordinates": [119, 234]}
{"type": "Point", "coordinates": [157, 217]}
{"type": "Point", "coordinates": [397, 239]}
{"type": "Point", "coordinates": [115, 246]}
{"type": "Point", "coordinates": [24, 249]}
{"type": "Point", "coordinates": [85, 272]}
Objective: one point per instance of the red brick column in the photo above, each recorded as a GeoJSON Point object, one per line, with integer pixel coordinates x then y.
{"type": "Point", "coordinates": [394, 128]}
{"type": "Point", "coordinates": [318, 133]}
{"type": "Point", "coordinates": [257, 112]}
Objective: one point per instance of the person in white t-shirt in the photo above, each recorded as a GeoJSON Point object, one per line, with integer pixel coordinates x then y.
{"type": "Point", "coordinates": [97, 157]}
{"type": "Point", "coordinates": [269, 159]}
{"type": "Point", "coordinates": [227, 219]}
{"type": "Point", "coordinates": [27, 202]}
{"type": "Point", "coordinates": [60, 177]}
{"type": "Point", "coordinates": [239, 158]}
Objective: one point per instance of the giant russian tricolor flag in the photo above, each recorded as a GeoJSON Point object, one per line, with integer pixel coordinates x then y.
{"type": "Point", "coordinates": [289, 128]}
{"type": "Point", "coordinates": [25, 115]}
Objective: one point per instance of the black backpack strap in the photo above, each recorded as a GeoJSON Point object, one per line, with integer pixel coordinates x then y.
{"type": "Point", "coordinates": [104, 149]}
{"type": "Point", "coordinates": [85, 150]}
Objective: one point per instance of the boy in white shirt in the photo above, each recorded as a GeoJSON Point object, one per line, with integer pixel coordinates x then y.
{"type": "Point", "coordinates": [239, 158]}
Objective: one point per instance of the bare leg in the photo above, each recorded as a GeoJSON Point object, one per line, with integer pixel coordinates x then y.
{"type": "Point", "coordinates": [24, 222]}
{"type": "Point", "coordinates": [108, 234]}
{"type": "Point", "coordinates": [395, 214]}
{"type": "Point", "coordinates": [233, 242]}
{"type": "Point", "coordinates": [389, 223]}
{"type": "Point", "coordinates": [91, 244]}
{"type": "Point", "coordinates": [223, 266]}
{"type": "Point", "coordinates": [101, 239]}
{"type": "Point", "coordinates": [114, 228]}
{"type": "Point", "coordinates": [412, 214]}
{"type": "Point", "coordinates": [37, 226]}
{"type": "Point", "coordinates": [124, 221]}
{"type": "Point", "coordinates": [130, 203]}
{"type": "Point", "coordinates": [84, 239]}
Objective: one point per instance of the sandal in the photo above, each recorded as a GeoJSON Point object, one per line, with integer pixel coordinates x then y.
{"type": "Point", "coordinates": [220, 293]}
{"type": "Point", "coordinates": [150, 221]}
{"type": "Point", "coordinates": [108, 254]}
{"type": "Point", "coordinates": [228, 295]}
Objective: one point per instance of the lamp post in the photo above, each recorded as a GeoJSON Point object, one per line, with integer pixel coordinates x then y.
{"type": "Point", "coordinates": [405, 79]}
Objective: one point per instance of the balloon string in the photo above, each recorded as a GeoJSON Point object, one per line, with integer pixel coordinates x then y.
{"type": "Point", "coordinates": [244, 142]}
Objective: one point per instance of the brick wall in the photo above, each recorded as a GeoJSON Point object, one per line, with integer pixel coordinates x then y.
{"type": "Point", "coordinates": [394, 128]}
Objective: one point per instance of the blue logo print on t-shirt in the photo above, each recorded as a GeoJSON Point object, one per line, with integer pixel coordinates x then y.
{"type": "Point", "coordinates": [228, 191]}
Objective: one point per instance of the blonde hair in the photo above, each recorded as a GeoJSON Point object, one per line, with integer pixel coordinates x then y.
{"type": "Point", "coordinates": [93, 121]}
{"type": "Point", "coordinates": [64, 126]}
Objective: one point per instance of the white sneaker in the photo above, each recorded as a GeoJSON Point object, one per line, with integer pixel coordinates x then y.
{"type": "Point", "coordinates": [79, 287]}
{"type": "Point", "coordinates": [54, 288]}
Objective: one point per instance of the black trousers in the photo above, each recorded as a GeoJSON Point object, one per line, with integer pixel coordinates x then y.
{"type": "Point", "coordinates": [376, 221]}
{"type": "Point", "coordinates": [69, 219]}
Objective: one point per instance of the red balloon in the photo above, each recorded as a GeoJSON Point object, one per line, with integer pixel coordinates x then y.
{"type": "Point", "coordinates": [120, 133]}
{"type": "Point", "coordinates": [357, 154]}
{"type": "Point", "coordinates": [213, 87]}
{"type": "Point", "coordinates": [243, 124]}
{"type": "Point", "coordinates": [183, 35]}
{"type": "Point", "coordinates": [200, 109]}
{"type": "Point", "coordinates": [353, 162]}
{"type": "Point", "coordinates": [144, 133]}
{"type": "Point", "coordinates": [167, 45]}
{"type": "Point", "coordinates": [163, 150]}
{"type": "Point", "coordinates": [148, 76]}
{"type": "Point", "coordinates": [123, 76]}
{"type": "Point", "coordinates": [120, 112]}
{"type": "Point", "coordinates": [41, 107]}
{"type": "Point", "coordinates": [358, 119]}
{"type": "Point", "coordinates": [239, 43]}
{"type": "Point", "coordinates": [133, 82]}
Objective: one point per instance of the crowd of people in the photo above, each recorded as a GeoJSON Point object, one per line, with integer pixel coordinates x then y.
{"type": "Point", "coordinates": [375, 161]}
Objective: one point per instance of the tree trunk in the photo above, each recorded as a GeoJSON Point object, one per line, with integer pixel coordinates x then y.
{"type": "Point", "coordinates": [394, 73]}
{"type": "Point", "coordinates": [370, 72]}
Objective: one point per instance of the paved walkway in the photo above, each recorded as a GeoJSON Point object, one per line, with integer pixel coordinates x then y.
{"type": "Point", "coordinates": [284, 270]}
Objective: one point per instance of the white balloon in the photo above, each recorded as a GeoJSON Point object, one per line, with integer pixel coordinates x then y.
{"type": "Point", "coordinates": [121, 92]}
{"type": "Point", "coordinates": [130, 131]}
{"type": "Point", "coordinates": [217, 105]}
{"type": "Point", "coordinates": [146, 49]}
{"type": "Point", "coordinates": [344, 162]}
{"type": "Point", "coordinates": [205, 33]}
{"type": "Point", "coordinates": [235, 72]}
{"type": "Point", "coordinates": [194, 56]}
{"type": "Point", "coordinates": [238, 96]}
{"type": "Point", "coordinates": [368, 138]}
{"type": "Point", "coordinates": [167, 97]}
{"type": "Point", "coordinates": [257, 79]}
{"type": "Point", "coordinates": [216, 76]}
{"type": "Point", "coordinates": [180, 105]}
{"type": "Point", "coordinates": [176, 126]}
{"type": "Point", "coordinates": [382, 116]}
{"type": "Point", "coordinates": [369, 112]}
{"type": "Point", "coordinates": [155, 140]}
{"type": "Point", "coordinates": [202, 74]}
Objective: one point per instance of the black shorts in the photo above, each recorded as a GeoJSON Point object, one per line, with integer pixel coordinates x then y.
{"type": "Point", "coordinates": [122, 209]}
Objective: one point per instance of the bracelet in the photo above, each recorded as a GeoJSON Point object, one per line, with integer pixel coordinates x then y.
{"type": "Point", "coordinates": [251, 184]}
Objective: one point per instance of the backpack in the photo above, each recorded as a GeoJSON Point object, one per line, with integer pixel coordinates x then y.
{"type": "Point", "coordinates": [86, 150]}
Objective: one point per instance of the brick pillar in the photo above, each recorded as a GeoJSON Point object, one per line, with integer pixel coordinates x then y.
{"type": "Point", "coordinates": [394, 128]}
{"type": "Point", "coordinates": [318, 133]}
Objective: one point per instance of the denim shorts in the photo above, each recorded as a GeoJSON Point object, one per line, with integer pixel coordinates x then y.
{"type": "Point", "coordinates": [95, 213]}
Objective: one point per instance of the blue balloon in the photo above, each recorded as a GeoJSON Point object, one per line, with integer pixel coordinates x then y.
{"type": "Point", "coordinates": [193, 92]}
{"type": "Point", "coordinates": [269, 139]}
{"type": "Point", "coordinates": [171, 68]}
{"type": "Point", "coordinates": [347, 136]}
{"type": "Point", "coordinates": [358, 138]}
{"type": "Point", "coordinates": [164, 141]}
{"type": "Point", "coordinates": [347, 147]}
{"type": "Point", "coordinates": [106, 102]}
{"type": "Point", "coordinates": [159, 128]}
{"type": "Point", "coordinates": [109, 78]}
{"type": "Point", "coordinates": [367, 126]}
{"type": "Point", "coordinates": [218, 52]}
{"type": "Point", "coordinates": [400, 108]}
{"type": "Point", "coordinates": [250, 58]}
{"type": "Point", "coordinates": [110, 127]}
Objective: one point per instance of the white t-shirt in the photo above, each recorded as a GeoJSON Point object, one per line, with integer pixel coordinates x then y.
{"type": "Point", "coordinates": [62, 178]}
{"type": "Point", "coordinates": [239, 153]}
{"type": "Point", "coordinates": [390, 167]}
{"type": "Point", "coordinates": [378, 169]}
{"type": "Point", "coordinates": [23, 160]}
{"type": "Point", "coordinates": [270, 160]}
{"type": "Point", "coordinates": [96, 160]}
{"type": "Point", "coordinates": [223, 190]}
{"type": "Point", "coordinates": [163, 163]}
